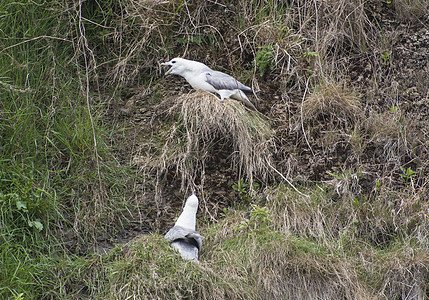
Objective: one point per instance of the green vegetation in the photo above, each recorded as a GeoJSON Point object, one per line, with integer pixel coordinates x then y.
{"type": "Point", "coordinates": [385, 56]}
{"type": "Point", "coordinates": [57, 172]}
{"type": "Point", "coordinates": [259, 219]}
{"type": "Point", "coordinates": [321, 194]}
{"type": "Point", "coordinates": [407, 175]}
{"type": "Point", "coordinates": [243, 189]}
{"type": "Point", "coordinates": [264, 59]}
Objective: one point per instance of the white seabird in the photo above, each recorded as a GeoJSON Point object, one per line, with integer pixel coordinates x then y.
{"type": "Point", "coordinates": [201, 77]}
{"type": "Point", "coordinates": [182, 235]}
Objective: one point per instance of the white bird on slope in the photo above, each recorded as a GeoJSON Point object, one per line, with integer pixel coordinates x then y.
{"type": "Point", "coordinates": [182, 235]}
{"type": "Point", "coordinates": [201, 77]}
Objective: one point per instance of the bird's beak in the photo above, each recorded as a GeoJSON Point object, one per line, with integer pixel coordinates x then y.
{"type": "Point", "coordinates": [167, 64]}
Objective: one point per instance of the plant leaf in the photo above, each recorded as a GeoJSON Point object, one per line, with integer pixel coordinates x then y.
{"type": "Point", "coordinates": [21, 205]}
{"type": "Point", "coordinates": [37, 224]}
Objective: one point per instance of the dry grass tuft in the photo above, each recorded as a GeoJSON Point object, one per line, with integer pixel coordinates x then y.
{"type": "Point", "coordinates": [327, 115]}
{"type": "Point", "coordinates": [328, 217]}
{"type": "Point", "coordinates": [296, 214]}
{"type": "Point", "coordinates": [148, 268]}
{"type": "Point", "coordinates": [205, 124]}
{"type": "Point", "coordinates": [342, 25]}
{"type": "Point", "coordinates": [391, 132]}
{"type": "Point", "coordinates": [331, 101]}
{"type": "Point", "coordinates": [140, 24]}
{"type": "Point", "coordinates": [411, 10]}
{"type": "Point", "coordinates": [406, 276]}
{"type": "Point", "coordinates": [282, 266]}
{"type": "Point", "coordinates": [285, 274]}
{"type": "Point", "coordinates": [358, 228]}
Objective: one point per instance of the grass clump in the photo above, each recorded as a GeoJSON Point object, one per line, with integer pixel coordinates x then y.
{"type": "Point", "coordinates": [366, 231]}
{"type": "Point", "coordinates": [205, 124]}
{"type": "Point", "coordinates": [260, 263]}
{"type": "Point", "coordinates": [326, 118]}
{"type": "Point", "coordinates": [392, 132]}
{"type": "Point", "coordinates": [331, 106]}
{"type": "Point", "coordinates": [410, 10]}
{"type": "Point", "coordinates": [329, 216]}
{"type": "Point", "coordinates": [148, 268]}
{"type": "Point", "coordinates": [405, 273]}
{"type": "Point", "coordinates": [280, 265]}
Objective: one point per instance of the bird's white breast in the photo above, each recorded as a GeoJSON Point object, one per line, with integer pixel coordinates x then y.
{"type": "Point", "coordinates": [198, 81]}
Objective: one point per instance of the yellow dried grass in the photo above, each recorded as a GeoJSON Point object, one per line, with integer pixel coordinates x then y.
{"type": "Point", "coordinates": [204, 122]}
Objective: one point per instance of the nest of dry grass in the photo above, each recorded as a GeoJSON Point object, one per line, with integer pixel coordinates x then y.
{"type": "Point", "coordinates": [202, 128]}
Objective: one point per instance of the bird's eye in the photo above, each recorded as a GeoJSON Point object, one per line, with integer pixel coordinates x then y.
{"type": "Point", "coordinates": [173, 62]}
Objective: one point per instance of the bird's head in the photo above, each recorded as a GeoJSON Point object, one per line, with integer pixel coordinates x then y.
{"type": "Point", "coordinates": [192, 201]}
{"type": "Point", "coordinates": [178, 66]}
{"type": "Point", "coordinates": [187, 218]}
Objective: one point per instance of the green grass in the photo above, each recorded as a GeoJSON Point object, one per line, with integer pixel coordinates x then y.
{"type": "Point", "coordinates": [51, 179]}
{"type": "Point", "coordinates": [261, 261]}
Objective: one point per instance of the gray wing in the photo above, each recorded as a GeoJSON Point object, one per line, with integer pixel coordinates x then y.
{"type": "Point", "coordinates": [180, 233]}
{"type": "Point", "coordinates": [222, 81]}
{"type": "Point", "coordinates": [197, 238]}
{"type": "Point", "coordinates": [175, 233]}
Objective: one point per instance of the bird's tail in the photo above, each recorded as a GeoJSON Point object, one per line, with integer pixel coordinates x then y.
{"type": "Point", "coordinates": [249, 105]}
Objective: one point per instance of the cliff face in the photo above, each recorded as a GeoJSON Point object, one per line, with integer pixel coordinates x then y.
{"type": "Point", "coordinates": [319, 194]}
{"type": "Point", "coordinates": [338, 155]}
{"type": "Point", "coordinates": [343, 88]}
